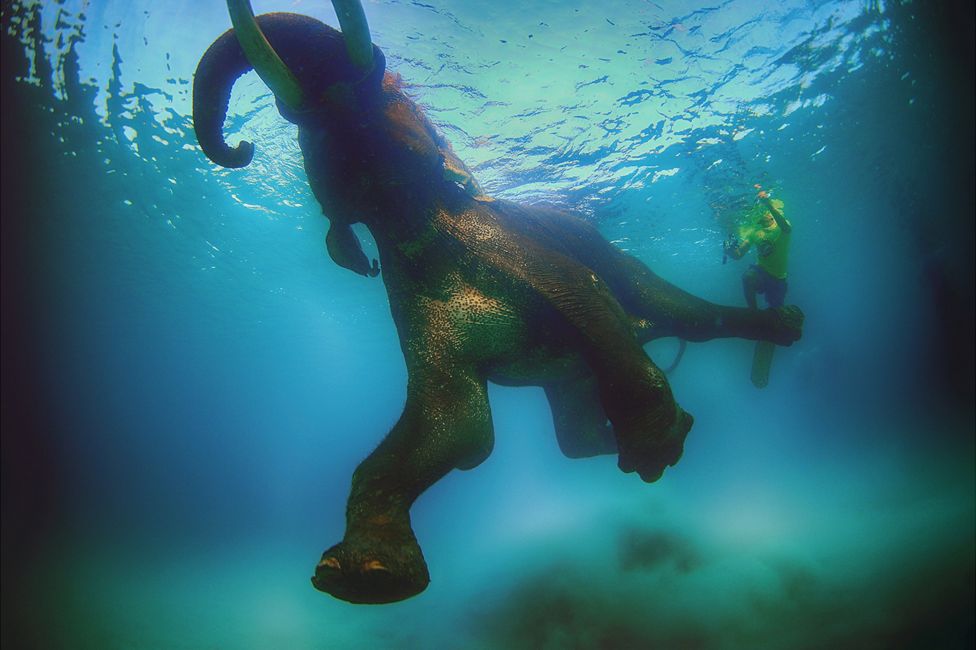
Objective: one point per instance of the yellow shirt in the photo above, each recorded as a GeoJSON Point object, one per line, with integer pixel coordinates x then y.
{"type": "Point", "coordinates": [772, 245]}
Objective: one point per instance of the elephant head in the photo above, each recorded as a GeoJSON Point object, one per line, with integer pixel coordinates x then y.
{"type": "Point", "coordinates": [368, 149]}
{"type": "Point", "coordinates": [306, 63]}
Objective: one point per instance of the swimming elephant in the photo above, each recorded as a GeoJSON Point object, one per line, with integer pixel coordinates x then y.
{"type": "Point", "coordinates": [480, 290]}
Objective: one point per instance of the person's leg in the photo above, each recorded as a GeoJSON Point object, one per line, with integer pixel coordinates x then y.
{"type": "Point", "coordinates": [775, 292]}
{"type": "Point", "coordinates": [750, 286]}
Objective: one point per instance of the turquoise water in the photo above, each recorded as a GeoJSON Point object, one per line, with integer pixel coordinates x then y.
{"type": "Point", "coordinates": [189, 381]}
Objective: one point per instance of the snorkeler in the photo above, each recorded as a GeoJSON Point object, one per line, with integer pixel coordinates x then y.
{"type": "Point", "coordinates": [770, 233]}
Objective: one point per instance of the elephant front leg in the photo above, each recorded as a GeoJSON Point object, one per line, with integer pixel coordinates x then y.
{"type": "Point", "coordinates": [446, 424]}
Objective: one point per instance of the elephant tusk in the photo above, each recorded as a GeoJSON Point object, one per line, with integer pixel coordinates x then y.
{"type": "Point", "coordinates": [262, 56]}
{"type": "Point", "coordinates": [355, 31]}
{"type": "Point", "coordinates": [269, 66]}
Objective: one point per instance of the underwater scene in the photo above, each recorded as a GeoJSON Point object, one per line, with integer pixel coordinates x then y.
{"type": "Point", "coordinates": [203, 341]}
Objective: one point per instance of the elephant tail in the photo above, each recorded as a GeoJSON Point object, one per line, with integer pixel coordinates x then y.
{"type": "Point", "coordinates": [682, 345]}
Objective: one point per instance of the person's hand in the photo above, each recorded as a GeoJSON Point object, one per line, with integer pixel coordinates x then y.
{"type": "Point", "coordinates": [763, 194]}
{"type": "Point", "coordinates": [730, 245]}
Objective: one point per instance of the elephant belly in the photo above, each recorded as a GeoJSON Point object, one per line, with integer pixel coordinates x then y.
{"type": "Point", "coordinates": [501, 331]}
{"type": "Point", "coordinates": [537, 366]}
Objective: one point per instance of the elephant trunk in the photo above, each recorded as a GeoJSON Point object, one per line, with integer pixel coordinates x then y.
{"type": "Point", "coordinates": [220, 67]}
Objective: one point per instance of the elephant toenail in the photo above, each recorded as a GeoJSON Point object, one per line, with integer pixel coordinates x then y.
{"type": "Point", "coordinates": [331, 563]}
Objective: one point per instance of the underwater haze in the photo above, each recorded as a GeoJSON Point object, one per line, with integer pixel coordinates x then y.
{"type": "Point", "coordinates": [189, 381]}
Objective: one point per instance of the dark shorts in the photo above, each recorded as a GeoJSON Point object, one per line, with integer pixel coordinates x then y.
{"type": "Point", "coordinates": [772, 288]}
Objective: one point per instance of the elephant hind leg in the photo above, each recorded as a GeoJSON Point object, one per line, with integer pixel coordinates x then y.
{"type": "Point", "coordinates": [649, 426]}
{"type": "Point", "coordinates": [446, 425]}
{"type": "Point", "coordinates": [582, 428]}
{"type": "Point", "coordinates": [585, 314]}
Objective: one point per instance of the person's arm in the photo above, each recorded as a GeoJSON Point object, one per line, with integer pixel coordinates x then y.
{"type": "Point", "coordinates": [781, 221]}
{"type": "Point", "coordinates": [736, 246]}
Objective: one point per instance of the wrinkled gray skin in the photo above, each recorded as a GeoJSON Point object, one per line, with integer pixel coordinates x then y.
{"type": "Point", "coordinates": [479, 290]}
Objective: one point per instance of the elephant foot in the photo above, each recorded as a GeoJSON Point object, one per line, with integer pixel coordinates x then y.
{"type": "Point", "coordinates": [373, 568]}
{"type": "Point", "coordinates": [649, 450]}
{"type": "Point", "coordinates": [787, 324]}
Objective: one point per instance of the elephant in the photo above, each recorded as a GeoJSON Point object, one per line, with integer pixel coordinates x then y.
{"type": "Point", "coordinates": [480, 289]}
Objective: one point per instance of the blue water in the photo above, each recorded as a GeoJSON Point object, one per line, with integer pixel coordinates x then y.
{"type": "Point", "coordinates": [189, 381]}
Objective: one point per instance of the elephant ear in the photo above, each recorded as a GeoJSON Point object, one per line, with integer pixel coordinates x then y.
{"type": "Point", "coordinates": [454, 169]}
{"type": "Point", "coordinates": [457, 172]}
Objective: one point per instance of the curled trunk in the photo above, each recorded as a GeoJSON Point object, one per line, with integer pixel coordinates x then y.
{"type": "Point", "coordinates": [221, 65]}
